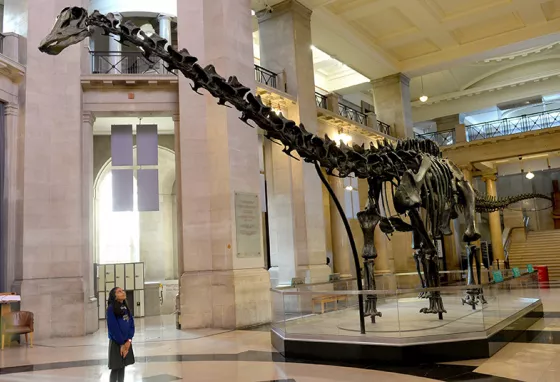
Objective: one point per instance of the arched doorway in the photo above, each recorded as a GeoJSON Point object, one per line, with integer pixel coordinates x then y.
{"type": "Point", "coordinates": [141, 236]}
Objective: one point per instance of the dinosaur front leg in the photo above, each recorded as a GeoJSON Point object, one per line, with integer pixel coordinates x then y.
{"type": "Point", "coordinates": [369, 218]}
{"type": "Point", "coordinates": [471, 233]}
{"type": "Point", "coordinates": [432, 278]}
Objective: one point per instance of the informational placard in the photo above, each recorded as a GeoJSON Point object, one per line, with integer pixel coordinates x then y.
{"type": "Point", "coordinates": [530, 268]}
{"type": "Point", "coordinates": [497, 276]}
{"type": "Point", "coordinates": [516, 272]}
{"type": "Point", "coordinates": [247, 225]}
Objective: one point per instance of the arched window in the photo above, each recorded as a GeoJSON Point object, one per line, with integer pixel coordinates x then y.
{"type": "Point", "coordinates": [119, 232]}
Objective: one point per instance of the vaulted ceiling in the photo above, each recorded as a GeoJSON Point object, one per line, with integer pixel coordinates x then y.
{"type": "Point", "coordinates": [381, 37]}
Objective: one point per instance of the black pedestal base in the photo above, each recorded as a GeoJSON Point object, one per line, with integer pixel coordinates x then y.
{"type": "Point", "coordinates": [364, 353]}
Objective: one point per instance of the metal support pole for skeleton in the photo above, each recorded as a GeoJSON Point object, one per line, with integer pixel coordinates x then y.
{"type": "Point", "coordinates": [352, 245]}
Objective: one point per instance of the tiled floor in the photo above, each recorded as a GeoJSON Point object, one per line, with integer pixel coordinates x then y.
{"type": "Point", "coordinates": [164, 354]}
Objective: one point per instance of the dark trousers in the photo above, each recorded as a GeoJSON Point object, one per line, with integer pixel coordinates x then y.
{"type": "Point", "coordinates": [117, 375]}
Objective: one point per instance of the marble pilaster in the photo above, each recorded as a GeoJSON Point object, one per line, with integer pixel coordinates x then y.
{"type": "Point", "coordinates": [217, 157]}
{"type": "Point", "coordinates": [52, 279]}
{"type": "Point", "coordinates": [285, 43]}
{"type": "Point", "coordinates": [92, 321]}
{"type": "Point", "coordinates": [391, 98]}
{"type": "Point", "coordinates": [13, 191]}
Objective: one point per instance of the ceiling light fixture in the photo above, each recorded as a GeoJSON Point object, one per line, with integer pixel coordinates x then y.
{"type": "Point", "coordinates": [349, 188]}
{"type": "Point", "coordinates": [423, 97]}
{"type": "Point", "coordinates": [529, 175]}
{"type": "Point", "coordinates": [252, 12]}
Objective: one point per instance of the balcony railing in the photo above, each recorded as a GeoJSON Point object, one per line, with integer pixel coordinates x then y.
{"type": "Point", "coordinates": [352, 114]}
{"type": "Point", "coordinates": [126, 63]}
{"type": "Point", "coordinates": [383, 127]}
{"type": "Point", "coordinates": [321, 100]}
{"type": "Point", "coordinates": [442, 138]}
{"type": "Point", "coordinates": [266, 77]}
{"type": "Point", "coordinates": [514, 125]}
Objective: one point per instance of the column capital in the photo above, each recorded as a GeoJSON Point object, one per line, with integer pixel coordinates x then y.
{"type": "Point", "coordinates": [88, 117]}
{"type": "Point", "coordinates": [163, 16]}
{"type": "Point", "coordinates": [489, 177]}
{"type": "Point", "coordinates": [282, 8]}
{"type": "Point", "coordinates": [11, 109]}
{"type": "Point", "coordinates": [391, 80]}
{"type": "Point", "coordinates": [176, 117]}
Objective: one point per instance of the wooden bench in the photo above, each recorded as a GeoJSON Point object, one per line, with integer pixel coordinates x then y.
{"type": "Point", "coordinates": [326, 299]}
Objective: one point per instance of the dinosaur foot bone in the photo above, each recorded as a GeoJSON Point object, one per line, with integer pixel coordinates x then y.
{"type": "Point", "coordinates": [436, 305]}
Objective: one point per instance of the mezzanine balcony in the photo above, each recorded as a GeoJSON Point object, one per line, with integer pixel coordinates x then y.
{"type": "Point", "coordinates": [514, 125]}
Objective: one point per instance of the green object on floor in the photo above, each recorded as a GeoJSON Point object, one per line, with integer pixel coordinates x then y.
{"type": "Point", "coordinates": [497, 276]}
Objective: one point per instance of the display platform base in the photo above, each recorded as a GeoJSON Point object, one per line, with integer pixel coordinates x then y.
{"type": "Point", "coordinates": [308, 338]}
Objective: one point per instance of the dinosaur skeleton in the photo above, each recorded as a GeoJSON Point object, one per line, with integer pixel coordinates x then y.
{"type": "Point", "coordinates": [414, 170]}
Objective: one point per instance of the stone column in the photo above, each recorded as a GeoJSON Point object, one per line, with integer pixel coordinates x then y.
{"type": "Point", "coordinates": [165, 28]}
{"type": "Point", "coordinates": [391, 98]}
{"type": "Point", "coordinates": [116, 59]}
{"type": "Point", "coordinates": [285, 43]}
{"type": "Point", "coordinates": [494, 220]}
{"type": "Point", "coordinates": [92, 320]}
{"type": "Point", "coordinates": [52, 278]}
{"type": "Point", "coordinates": [218, 158]}
{"type": "Point", "coordinates": [460, 133]}
{"type": "Point", "coordinates": [13, 191]}
{"type": "Point", "coordinates": [449, 122]}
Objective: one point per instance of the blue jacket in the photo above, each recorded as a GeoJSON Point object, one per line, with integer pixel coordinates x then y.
{"type": "Point", "coordinates": [120, 329]}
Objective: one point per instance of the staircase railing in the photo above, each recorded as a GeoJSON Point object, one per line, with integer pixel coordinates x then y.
{"type": "Point", "coordinates": [507, 242]}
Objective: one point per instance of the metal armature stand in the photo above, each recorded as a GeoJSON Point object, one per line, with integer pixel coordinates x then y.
{"type": "Point", "coordinates": [352, 245]}
{"type": "Point", "coordinates": [474, 296]}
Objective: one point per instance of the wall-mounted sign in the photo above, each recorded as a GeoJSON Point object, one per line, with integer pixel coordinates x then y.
{"type": "Point", "coordinates": [247, 225]}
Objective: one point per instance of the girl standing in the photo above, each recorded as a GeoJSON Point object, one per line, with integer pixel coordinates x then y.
{"type": "Point", "coordinates": [120, 325]}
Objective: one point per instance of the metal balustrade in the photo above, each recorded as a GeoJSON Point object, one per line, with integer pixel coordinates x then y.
{"type": "Point", "coordinates": [513, 125]}
{"type": "Point", "coordinates": [442, 138]}
{"type": "Point", "coordinates": [321, 100]}
{"type": "Point", "coordinates": [266, 77]}
{"type": "Point", "coordinates": [352, 114]}
{"type": "Point", "coordinates": [383, 127]}
{"type": "Point", "coordinates": [126, 63]}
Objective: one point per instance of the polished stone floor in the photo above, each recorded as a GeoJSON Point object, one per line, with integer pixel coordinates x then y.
{"type": "Point", "coordinates": [165, 354]}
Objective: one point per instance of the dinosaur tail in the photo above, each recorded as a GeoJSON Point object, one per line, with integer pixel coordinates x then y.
{"type": "Point", "coordinates": [491, 204]}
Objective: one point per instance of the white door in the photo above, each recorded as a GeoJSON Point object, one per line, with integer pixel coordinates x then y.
{"type": "Point", "coordinates": [139, 276]}
{"type": "Point", "coordinates": [102, 301]}
{"type": "Point", "coordinates": [129, 276]}
{"type": "Point", "coordinates": [119, 276]}
{"type": "Point", "coordinates": [138, 303]}
{"type": "Point", "coordinates": [100, 278]}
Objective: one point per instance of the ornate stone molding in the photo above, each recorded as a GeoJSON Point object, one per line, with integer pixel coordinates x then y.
{"type": "Point", "coordinates": [282, 8]}
{"type": "Point", "coordinates": [88, 117]}
{"type": "Point", "coordinates": [11, 109]}
{"type": "Point", "coordinates": [391, 80]}
{"type": "Point", "coordinates": [176, 117]}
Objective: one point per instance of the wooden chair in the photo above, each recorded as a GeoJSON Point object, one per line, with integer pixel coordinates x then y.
{"type": "Point", "coordinates": [18, 323]}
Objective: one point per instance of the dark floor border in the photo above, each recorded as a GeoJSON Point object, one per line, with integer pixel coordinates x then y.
{"type": "Point", "coordinates": [402, 354]}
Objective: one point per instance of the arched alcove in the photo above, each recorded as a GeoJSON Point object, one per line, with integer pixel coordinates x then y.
{"type": "Point", "coordinates": [145, 236]}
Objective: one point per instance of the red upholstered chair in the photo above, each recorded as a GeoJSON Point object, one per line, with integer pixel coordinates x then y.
{"type": "Point", "coordinates": [18, 323]}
